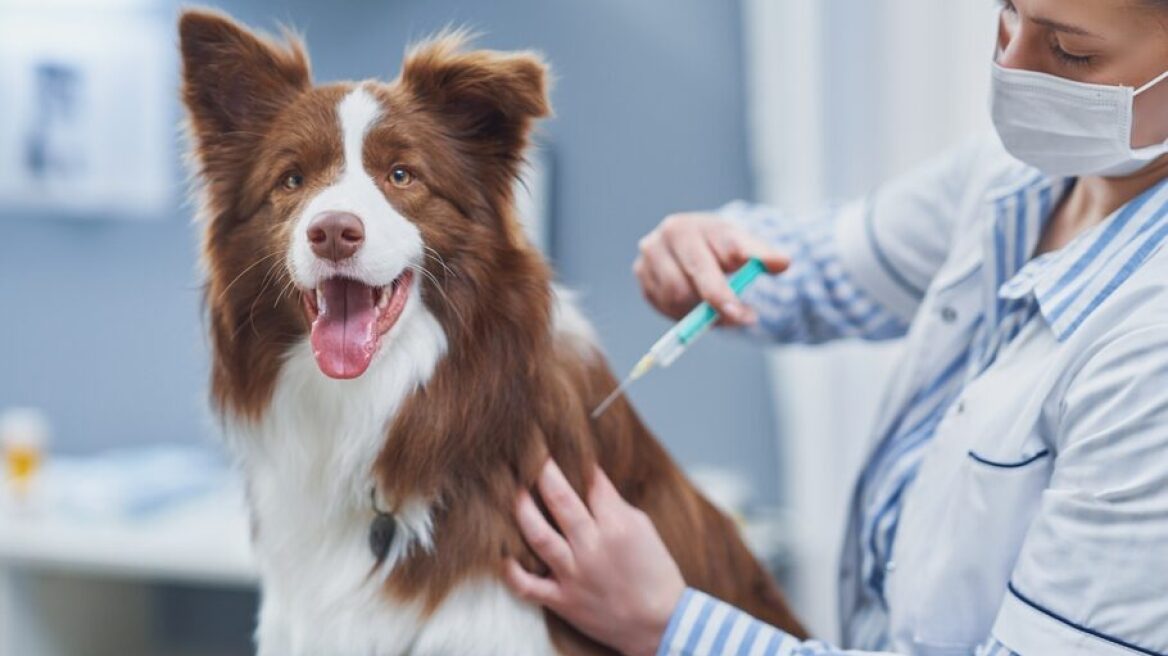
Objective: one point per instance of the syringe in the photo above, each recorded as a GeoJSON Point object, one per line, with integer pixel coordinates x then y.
{"type": "Point", "coordinates": [687, 331]}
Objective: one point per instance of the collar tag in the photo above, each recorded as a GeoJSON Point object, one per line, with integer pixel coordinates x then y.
{"type": "Point", "coordinates": [381, 530]}
{"type": "Point", "coordinates": [381, 533]}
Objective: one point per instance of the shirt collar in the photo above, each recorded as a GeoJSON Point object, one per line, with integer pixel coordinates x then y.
{"type": "Point", "coordinates": [1070, 283]}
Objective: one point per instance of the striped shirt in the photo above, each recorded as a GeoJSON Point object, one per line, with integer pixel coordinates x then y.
{"type": "Point", "coordinates": [704, 626]}
{"type": "Point", "coordinates": [817, 300]}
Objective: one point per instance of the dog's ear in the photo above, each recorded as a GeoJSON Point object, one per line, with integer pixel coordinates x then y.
{"type": "Point", "coordinates": [487, 100]}
{"type": "Point", "coordinates": [234, 81]}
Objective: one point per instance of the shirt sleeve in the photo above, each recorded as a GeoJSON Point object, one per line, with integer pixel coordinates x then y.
{"type": "Point", "coordinates": [704, 626]}
{"type": "Point", "coordinates": [815, 300]}
{"type": "Point", "coordinates": [894, 241]}
{"type": "Point", "coordinates": [1092, 574]}
{"type": "Point", "coordinates": [862, 270]}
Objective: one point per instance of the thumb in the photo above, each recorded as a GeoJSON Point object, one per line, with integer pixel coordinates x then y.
{"type": "Point", "coordinates": [735, 248]}
{"type": "Point", "coordinates": [774, 261]}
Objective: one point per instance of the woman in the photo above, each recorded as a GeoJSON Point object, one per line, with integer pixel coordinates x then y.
{"type": "Point", "coordinates": [1015, 500]}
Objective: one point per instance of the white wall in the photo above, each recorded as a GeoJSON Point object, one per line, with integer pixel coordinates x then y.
{"type": "Point", "coordinates": [844, 94]}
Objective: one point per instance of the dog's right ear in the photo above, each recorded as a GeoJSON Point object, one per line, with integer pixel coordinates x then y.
{"type": "Point", "coordinates": [234, 81]}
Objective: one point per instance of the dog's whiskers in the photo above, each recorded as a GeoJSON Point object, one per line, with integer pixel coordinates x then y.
{"type": "Point", "coordinates": [445, 297]}
{"type": "Point", "coordinates": [289, 286]}
{"type": "Point", "coordinates": [273, 268]}
{"type": "Point", "coordinates": [223, 294]}
{"type": "Point", "coordinates": [437, 257]}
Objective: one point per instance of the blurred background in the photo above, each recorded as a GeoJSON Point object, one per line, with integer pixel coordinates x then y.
{"type": "Point", "coordinates": [126, 535]}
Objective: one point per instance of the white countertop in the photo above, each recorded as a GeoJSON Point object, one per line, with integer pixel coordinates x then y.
{"type": "Point", "coordinates": [202, 541]}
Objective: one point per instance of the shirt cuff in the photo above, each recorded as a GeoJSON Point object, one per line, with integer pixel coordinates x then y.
{"type": "Point", "coordinates": [704, 626]}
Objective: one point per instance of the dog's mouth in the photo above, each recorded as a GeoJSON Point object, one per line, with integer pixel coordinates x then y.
{"type": "Point", "coordinates": [348, 319]}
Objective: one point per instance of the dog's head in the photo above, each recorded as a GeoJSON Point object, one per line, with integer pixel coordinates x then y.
{"type": "Point", "coordinates": [331, 210]}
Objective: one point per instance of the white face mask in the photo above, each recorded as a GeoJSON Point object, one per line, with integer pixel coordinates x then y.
{"type": "Point", "coordinates": [1068, 128]}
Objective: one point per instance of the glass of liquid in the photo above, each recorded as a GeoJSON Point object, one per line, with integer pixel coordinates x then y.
{"type": "Point", "coordinates": [24, 433]}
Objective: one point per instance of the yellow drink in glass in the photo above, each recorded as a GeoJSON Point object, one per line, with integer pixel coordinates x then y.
{"type": "Point", "coordinates": [22, 462]}
{"type": "Point", "coordinates": [23, 433]}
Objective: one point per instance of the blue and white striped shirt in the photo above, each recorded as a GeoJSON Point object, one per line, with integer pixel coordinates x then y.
{"type": "Point", "coordinates": [704, 626]}
{"type": "Point", "coordinates": [820, 299]}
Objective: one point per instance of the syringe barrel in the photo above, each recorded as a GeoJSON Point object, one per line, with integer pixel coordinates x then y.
{"type": "Point", "coordinates": [704, 316]}
{"type": "Point", "coordinates": [668, 348]}
{"type": "Point", "coordinates": [699, 320]}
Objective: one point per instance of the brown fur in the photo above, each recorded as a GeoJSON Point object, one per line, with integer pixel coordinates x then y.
{"type": "Point", "coordinates": [509, 392]}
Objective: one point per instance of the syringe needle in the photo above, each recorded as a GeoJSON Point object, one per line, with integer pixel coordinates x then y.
{"type": "Point", "coordinates": [678, 338]}
{"type": "Point", "coordinates": [608, 400]}
{"type": "Point", "coordinates": [641, 369]}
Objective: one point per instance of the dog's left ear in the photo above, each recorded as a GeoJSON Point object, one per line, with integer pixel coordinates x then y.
{"type": "Point", "coordinates": [488, 100]}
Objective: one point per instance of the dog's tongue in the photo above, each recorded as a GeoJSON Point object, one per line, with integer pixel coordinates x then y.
{"type": "Point", "coordinates": [344, 333]}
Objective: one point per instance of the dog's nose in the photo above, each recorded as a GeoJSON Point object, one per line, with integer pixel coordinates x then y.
{"type": "Point", "coordinates": [336, 235]}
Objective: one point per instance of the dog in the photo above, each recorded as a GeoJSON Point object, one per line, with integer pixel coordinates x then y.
{"type": "Point", "coordinates": [392, 363]}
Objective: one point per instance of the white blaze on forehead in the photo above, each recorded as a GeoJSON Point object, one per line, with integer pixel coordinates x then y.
{"type": "Point", "coordinates": [357, 111]}
{"type": "Point", "coordinates": [391, 241]}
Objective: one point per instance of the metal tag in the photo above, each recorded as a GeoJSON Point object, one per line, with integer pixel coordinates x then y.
{"type": "Point", "coordinates": [381, 533]}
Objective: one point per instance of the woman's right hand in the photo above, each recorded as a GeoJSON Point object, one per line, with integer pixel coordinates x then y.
{"type": "Point", "coordinates": [686, 259]}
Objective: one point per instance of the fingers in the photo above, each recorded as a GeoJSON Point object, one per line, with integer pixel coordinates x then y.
{"type": "Point", "coordinates": [687, 258]}
{"type": "Point", "coordinates": [537, 589]}
{"type": "Point", "coordinates": [603, 494]}
{"type": "Point", "coordinates": [706, 275]}
{"type": "Point", "coordinates": [622, 524]}
{"type": "Point", "coordinates": [774, 261]}
{"type": "Point", "coordinates": [565, 505]}
{"type": "Point", "coordinates": [549, 545]}
{"type": "Point", "coordinates": [663, 283]}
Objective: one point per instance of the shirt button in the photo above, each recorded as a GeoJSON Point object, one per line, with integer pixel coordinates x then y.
{"type": "Point", "coordinates": [961, 406]}
{"type": "Point", "coordinates": [890, 566]}
{"type": "Point", "coordinates": [948, 314]}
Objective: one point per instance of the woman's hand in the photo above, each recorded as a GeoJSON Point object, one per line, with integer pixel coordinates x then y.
{"type": "Point", "coordinates": [611, 575]}
{"type": "Point", "coordinates": [685, 260]}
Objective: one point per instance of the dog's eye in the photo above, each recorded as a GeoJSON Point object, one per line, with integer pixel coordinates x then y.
{"type": "Point", "coordinates": [292, 180]}
{"type": "Point", "coordinates": [400, 176]}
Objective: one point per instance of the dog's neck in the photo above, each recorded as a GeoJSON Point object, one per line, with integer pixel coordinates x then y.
{"type": "Point", "coordinates": [478, 409]}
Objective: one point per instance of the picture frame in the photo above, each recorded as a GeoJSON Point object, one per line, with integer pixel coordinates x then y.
{"type": "Point", "coordinates": [80, 137]}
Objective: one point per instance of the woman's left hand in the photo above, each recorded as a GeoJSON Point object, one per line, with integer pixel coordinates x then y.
{"type": "Point", "coordinates": [611, 575]}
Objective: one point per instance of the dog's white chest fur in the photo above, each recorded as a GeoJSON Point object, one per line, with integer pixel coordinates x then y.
{"type": "Point", "coordinates": [308, 470]}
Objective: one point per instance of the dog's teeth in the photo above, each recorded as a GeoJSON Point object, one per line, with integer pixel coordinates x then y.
{"type": "Point", "coordinates": [382, 299]}
{"type": "Point", "coordinates": [319, 300]}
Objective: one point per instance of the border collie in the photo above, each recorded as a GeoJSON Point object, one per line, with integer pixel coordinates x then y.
{"type": "Point", "coordinates": [391, 361]}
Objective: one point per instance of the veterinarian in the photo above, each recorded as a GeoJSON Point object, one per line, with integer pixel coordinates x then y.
{"type": "Point", "coordinates": [1015, 496]}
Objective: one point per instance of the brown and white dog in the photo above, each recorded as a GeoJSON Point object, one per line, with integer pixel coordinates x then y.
{"type": "Point", "coordinates": [389, 348]}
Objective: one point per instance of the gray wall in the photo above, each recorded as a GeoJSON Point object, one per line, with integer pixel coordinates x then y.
{"type": "Point", "coordinates": [101, 323]}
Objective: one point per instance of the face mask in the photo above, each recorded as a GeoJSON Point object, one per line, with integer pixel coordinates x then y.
{"type": "Point", "coordinates": [1068, 128]}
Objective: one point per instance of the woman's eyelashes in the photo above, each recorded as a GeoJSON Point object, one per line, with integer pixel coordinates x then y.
{"type": "Point", "coordinates": [1060, 53]}
{"type": "Point", "coordinates": [1069, 58]}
